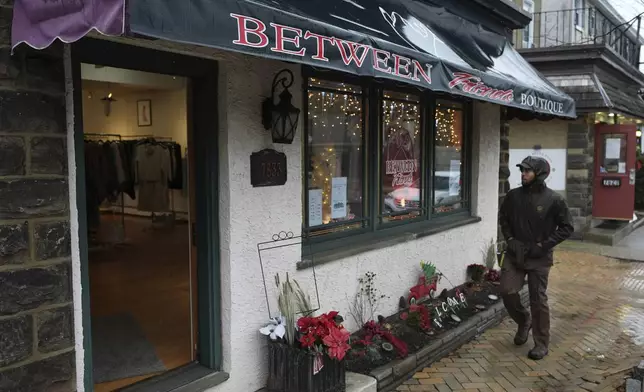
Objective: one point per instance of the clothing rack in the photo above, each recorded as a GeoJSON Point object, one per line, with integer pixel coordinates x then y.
{"type": "Point", "coordinates": [120, 138]}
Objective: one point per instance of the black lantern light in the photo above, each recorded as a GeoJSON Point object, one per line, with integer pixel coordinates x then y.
{"type": "Point", "coordinates": [281, 118]}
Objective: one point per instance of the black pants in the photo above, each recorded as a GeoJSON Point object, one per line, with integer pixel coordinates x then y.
{"type": "Point", "coordinates": [512, 279]}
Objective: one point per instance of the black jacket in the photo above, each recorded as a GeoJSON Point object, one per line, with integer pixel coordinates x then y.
{"type": "Point", "coordinates": [535, 214]}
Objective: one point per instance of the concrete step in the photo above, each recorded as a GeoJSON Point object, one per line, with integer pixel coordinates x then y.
{"type": "Point", "coordinates": [633, 385]}
{"type": "Point", "coordinates": [361, 383]}
{"type": "Point", "coordinates": [610, 233]}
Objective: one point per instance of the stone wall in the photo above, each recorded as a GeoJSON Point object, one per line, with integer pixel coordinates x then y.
{"type": "Point", "coordinates": [579, 177]}
{"type": "Point", "coordinates": [36, 335]}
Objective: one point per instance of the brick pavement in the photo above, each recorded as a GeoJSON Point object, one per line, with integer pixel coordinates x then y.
{"type": "Point", "coordinates": [597, 334]}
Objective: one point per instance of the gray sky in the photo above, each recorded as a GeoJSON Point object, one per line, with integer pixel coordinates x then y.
{"type": "Point", "coordinates": [628, 8]}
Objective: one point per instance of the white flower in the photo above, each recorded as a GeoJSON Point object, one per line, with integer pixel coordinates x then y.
{"type": "Point", "coordinates": [275, 329]}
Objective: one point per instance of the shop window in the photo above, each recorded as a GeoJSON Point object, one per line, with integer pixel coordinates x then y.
{"type": "Point", "coordinates": [401, 157]}
{"type": "Point", "coordinates": [335, 151]}
{"type": "Point", "coordinates": [448, 157]}
{"type": "Point", "coordinates": [381, 159]}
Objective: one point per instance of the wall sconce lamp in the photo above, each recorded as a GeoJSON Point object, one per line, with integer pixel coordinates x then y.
{"type": "Point", "coordinates": [281, 118]}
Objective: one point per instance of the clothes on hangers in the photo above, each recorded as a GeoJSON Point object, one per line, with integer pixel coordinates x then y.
{"type": "Point", "coordinates": [111, 169]}
{"type": "Point", "coordinates": [176, 174]}
{"type": "Point", "coordinates": [153, 174]}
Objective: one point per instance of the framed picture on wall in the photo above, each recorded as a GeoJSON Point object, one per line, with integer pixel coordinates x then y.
{"type": "Point", "coordinates": [144, 112]}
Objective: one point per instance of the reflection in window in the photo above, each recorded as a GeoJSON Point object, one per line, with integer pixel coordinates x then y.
{"type": "Point", "coordinates": [401, 156]}
{"type": "Point", "coordinates": [335, 151]}
{"type": "Point", "coordinates": [448, 157]}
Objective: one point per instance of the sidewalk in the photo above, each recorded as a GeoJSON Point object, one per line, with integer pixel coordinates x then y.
{"type": "Point", "coordinates": [630, 248]}
{"type": "Point", "coordinates": [597, 328]}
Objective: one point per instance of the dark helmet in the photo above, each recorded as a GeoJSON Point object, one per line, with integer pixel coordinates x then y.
{"type": "Point", "coordinates": [538, 165]}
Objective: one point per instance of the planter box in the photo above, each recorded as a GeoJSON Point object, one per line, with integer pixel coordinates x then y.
{"type": "Point", "coordinates": [390, 376]}
{"type": "Point", "coordinates": [291, 370]}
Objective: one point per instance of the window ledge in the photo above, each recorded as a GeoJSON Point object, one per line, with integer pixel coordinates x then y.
{"type": "Point", "coordinates": [370, 241]}
{"type": "Point", "coordinates": [193, 377]}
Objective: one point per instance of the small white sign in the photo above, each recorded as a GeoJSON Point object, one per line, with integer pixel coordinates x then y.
{"type": "Point", "coordinates": [555, 157]}
{"type": "Point", "coordinates": [454, 177]}
{"type": "Point", "coordinates": [338, 197]}
{"type": "Point", "coordinates": [613, 148]}
{"type": "Point", "coordinates": [621, 167]}
{"type": "Point", "coordinates": [315, 207]}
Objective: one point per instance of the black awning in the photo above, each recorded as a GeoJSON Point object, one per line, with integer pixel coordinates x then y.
{"type": "Point", "coordinates": [444, 45]}
{"type": "Point", "coordinates": [422, 42]}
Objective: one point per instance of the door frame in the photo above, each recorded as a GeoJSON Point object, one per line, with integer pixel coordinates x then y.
{"type": "Point", "coordinates": [203, 121]}
{"type": "Point", "coordinates": [599, 192]}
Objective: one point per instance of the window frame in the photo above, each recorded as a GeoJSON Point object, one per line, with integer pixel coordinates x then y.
{"type": "Point", "coordinates": [528, 30]}
{"type": "Point", "coordinates": [466, 152]}
{"type": "Point", "coordinates": [579, 15]}
{"type": "Point", "coordinates": [207, 371]}
{"type": "Point", "coordinates": [379, 219]}
{"type": "Point", "coordinates": [364, 221]}
{"type": "Point", "coordinates": [372, 226]}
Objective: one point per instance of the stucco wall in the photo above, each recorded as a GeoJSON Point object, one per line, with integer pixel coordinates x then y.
{"type": "Point", "coordinates": [249, 215]}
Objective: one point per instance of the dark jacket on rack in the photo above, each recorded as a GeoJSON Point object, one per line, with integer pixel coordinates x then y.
{"type": "Point", "coordinates": [176, 177]}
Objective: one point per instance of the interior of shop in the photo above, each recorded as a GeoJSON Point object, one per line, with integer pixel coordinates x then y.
{"type": "Point", "coordinates": [137, 187]}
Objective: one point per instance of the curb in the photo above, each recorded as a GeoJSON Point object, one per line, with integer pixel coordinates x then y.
{"type": "Point", "coordinates": [392, 375]}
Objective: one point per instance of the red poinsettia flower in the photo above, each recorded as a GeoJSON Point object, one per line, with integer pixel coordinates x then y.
{"type": "Point", "coordinates": [331, 315]}
{"type": "Point", "coordinates": [307, 340]}
{"type": "Point", "coordinates": [336, 342]}
{"type": "Point", "coordinates": [304, 323]}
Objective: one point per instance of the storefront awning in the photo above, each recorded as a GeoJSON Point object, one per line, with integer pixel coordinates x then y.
{"type": "Point", "coordinates": [595, 92]}
{"type": "Point", "coordinates": [421, 42]}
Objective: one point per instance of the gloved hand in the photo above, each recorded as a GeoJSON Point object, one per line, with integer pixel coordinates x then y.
{"type": "Point", "coordinates": [536, 251]}
{"type": "Point", "coordinates": [515, 247]}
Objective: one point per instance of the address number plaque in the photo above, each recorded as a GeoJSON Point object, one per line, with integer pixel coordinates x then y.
{"type": "Point", "coordinates": [612, 182]}
{"type": "Point", "coordinates": [267, 168]}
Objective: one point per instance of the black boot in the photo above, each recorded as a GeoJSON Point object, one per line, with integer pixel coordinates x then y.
{"type": "Point", "coordinates": [523, 331]}
{"type": "Point", "coordinates": [538, 352]}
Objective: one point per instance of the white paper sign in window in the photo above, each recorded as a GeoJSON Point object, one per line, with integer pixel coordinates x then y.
{"type": "Point", "coordinates": [613, 148]}
{"type": "Point", "coordinates": [315, 207]}
{"type": "Point", "coordinates": [338, 197]}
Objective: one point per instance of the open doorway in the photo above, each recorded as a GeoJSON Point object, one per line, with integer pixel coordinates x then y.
{"type": "Point", "coordinates": [140, 215]}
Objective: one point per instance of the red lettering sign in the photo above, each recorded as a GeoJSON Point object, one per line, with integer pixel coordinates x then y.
{"type": "Point", "coordinates": [353, 52]}
{"type": "Point", "coordinates": [473, 85]}
{"type": "Point", "coordinates": [251, 32]}
{"type": "Point", "coordinates": [402, 64]}
{"type": "Point", "coordinates": [321, 39]}
{"type": "Point", "coordinates": [280, 39]}
{"type": "Point", "coordinates": [243, 31]}
{"type": "Point", "coordinates": [378, 60]}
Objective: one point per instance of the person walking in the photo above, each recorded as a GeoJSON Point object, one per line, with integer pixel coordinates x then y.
{"type": "Point", "coordinates": [533, 220]}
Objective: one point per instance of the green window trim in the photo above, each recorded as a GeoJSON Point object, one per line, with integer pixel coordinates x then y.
{"type": "Point", "coordinates": [371, 226]}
